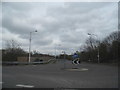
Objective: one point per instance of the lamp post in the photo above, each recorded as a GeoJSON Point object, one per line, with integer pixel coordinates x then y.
{"type": "Point", "coordinates": [30, 45]}
{"type": "Point", "coordinates": [98, 46]}
{"type": "Point", "coordinates": [59, 49]}
{"type": "Point", "coordinates": [55, 52]}
{"type": "Point", "coordinates": [56, 49]}
{"type": "Point", "coordinates": [64, 59]}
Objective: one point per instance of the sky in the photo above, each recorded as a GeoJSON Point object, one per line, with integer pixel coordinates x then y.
{"type": "Point", "coordinates": [61, 26]}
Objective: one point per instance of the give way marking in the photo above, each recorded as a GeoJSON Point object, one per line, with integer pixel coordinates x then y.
{"type": "Point", "coordinates": [26, 86]}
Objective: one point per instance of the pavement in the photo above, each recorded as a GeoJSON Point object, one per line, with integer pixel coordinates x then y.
{"type": "Point", "coordinates": [60, 75]}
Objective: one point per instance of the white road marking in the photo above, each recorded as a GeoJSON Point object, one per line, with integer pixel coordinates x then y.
{"type": "Point", "coordinates": [79, 69]}
{"type": "Point", "coordinates": [27, 86]}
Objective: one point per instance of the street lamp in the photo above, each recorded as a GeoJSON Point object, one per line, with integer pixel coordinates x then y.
{"type": "Point", "coordinates": [30, 44]}
{"type": "Point", "coordinates": [98, 46]}
{"type": "Point", "coordinates": [56, 49]}
{"type": "Point", "coordinates": [64, 59]}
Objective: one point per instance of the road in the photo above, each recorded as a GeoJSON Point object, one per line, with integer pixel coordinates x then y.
{"type": "Point", "coordinates": [54, 76]}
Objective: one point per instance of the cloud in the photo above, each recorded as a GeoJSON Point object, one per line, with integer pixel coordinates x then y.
{"type": "Point", "coordinates": [58, 23]}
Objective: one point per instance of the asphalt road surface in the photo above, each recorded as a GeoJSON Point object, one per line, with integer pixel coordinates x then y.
{"type": "Point", "coordinates": [54, 76]}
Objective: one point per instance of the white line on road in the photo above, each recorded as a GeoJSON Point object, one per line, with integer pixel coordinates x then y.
{"type": "Point", "coordinates": [27, 86]}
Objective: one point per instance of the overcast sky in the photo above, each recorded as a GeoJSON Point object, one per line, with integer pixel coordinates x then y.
{"type": "Point", "coordinates": [61, 25]}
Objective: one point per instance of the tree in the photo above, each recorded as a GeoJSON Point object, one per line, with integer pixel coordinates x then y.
{"type": "Point", "coordinates": [109, 49]}
{"type": "Point", "coordinates": [92, 48]}
{"type": "Point", "coordinates": [113, 46]}
{"type": "Point", "coordinates": [13, 50]}
{"type": "Point", "coordinates": [103, 53]}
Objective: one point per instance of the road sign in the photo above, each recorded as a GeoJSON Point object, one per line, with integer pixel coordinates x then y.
{"type": "Point", "coordinates": [76, 61]}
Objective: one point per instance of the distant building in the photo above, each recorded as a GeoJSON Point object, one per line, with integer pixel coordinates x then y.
{"type": "Point", "coordinates": [24, 58]}
{"type": "Point", "coordinates": [43, 57]}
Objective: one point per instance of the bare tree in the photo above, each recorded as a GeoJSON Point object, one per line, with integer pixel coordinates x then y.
{"type": "Point", "coordinates": [13, 50]}
{"type": "Point", "coordinates": [115, 36]}
{"type": "Point", "coordinates": [92, 43]}
{"type": "Point", "coordinates": [108, 48]}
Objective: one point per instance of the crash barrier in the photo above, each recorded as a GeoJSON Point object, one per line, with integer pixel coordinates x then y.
{"type": "Point", "coordinates": [22, 63]}
{"type": "Point", "coordinates": [10, 63]}
{"type": "Point", "coordinates": [26, 63]}
{"type": "Point", "coordinates": [76, 61]}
